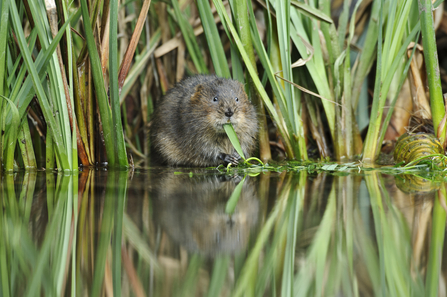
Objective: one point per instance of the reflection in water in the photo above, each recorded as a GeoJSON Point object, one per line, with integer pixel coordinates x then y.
{"type": "Point", "coordinates": [191, 210]}
{"type": "Point", "coordinates": [418, 185]}
{"type": "Point", "coordinates": [166, 233]}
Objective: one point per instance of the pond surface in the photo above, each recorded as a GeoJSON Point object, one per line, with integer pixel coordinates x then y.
{"type": "Point", "coordinates": [174, 232]}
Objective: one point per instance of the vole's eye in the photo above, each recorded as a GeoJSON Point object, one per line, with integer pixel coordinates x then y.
{"type": "Point", "coordinates": [237, 99]}
{"type": "Point", "coordinates": [215, 99]}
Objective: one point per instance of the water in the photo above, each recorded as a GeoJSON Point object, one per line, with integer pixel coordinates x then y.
{"type": "Point", "coordinates": [172, 232]}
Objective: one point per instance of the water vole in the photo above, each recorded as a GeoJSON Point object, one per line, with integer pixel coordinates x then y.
{"type": "Point", "coordinates": [187, 125]}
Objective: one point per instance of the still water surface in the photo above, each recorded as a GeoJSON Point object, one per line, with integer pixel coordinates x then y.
{"type": "Point", "coordinates": [172, 232]}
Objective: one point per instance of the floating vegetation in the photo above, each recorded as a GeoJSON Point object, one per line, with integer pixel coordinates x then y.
{"type": "Point", "coordinates": [429, 167]}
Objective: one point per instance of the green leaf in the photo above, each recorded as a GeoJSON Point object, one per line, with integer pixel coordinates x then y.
{"type": "Point", "coordinates": [234, 140]}
{"type": "Point", "coordinates": [101, 94]}
{"type": "Point", "coordinates": [215, 45]}
{"type": "Point", "coordinates": [329, 167]}
{"type": "Point", "coordinates": [119, 146]}
{"type": "Point", "coordinates": [220, 270]}
{"type": "Point", "coordinates": [234, 198]}
{"type": "Point", "coordinates": [11, 140]}
{"type": "Point", "coordinates": [3, 41]}
{"type": "Point", "coordinates": [312, 12]}
{"type": "Point", "coordinates": [61, 150]}
{"type": "Point", "coordinates": [238, 42]}
{"type": "Point", "coordinates": [190, 39]}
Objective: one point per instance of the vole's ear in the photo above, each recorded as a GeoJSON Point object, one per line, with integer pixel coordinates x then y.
{"type": "Point", "coordinates": [197, 93]}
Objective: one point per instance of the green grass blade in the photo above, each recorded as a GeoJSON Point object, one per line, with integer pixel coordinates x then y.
{"type": "Point", "coordinates": [190, 39]}
{"type": "Point", "coordinates": [367, 56]}
{"type": "Point", "coordinates": [4, 24]}
{"type": "Point", "coordinates": [250, 266]}
{"type": "Point", "coordinates": [213, 39]}
{"type": "Point", "coordinates": [312, 12]}
{"type": "Point", "coordinates": [4, 269]}
{"type": "Point", "coordinates": [61, 150]}
{"type": "Point", "coordinates": [277, 91]}
{"type": "Point", "coordinates": [318, 251]}
{"type": "Point", "coordinates": [393, 102]}
{"type": "Point", "coordinates": [26, 145]}
{"type": "Point", "coordinates": [120, 147]}
{"type": "Point", "coordinates": [234, 198]}
{"type": "Point", "coordinates": [72, 86]}
{"type": "Point", "coordinates": [35, 282]}
{"type": "Point", "coordinates": [75, 231]}
{"type": "Point", "coordinates": [432, 65]}
{"type": "Point", "coordinates": [242, 20]}
{"type": "Point", "coordinates": [227, 23]}
{"type": "Point", "coordinates": [135, 239]}
{"type": "Point", "coordinates": [436, 244]}
{"type": "Point", "coordinates": [220, 270]}
{"type": "Point", "coordinates": [105, 235]}
{"type": "Point", "coordinates": [283, 25]}
{"type": "Point", "coordinates": [57, 98]}
{"type": "Point", "coordinates": [236, 64]}
{"type": "Point", "coordinates": [10, 141]}
{"type": "Point", "coordinates": [26, 196]}
{"type": "Point", "coordinates": [79, 111]}
{"type": "Point", "coordinates": [234, 140]}
{"type": "Point", "coordinates": [371, 148]}
{"type": "Point", "coordinates": [65, 185]}
{"type": "Point", "coordinates": [316, 66]}
{"type": "Point", "coordinates": [120, 203]}
{"type": "Point", "coordinates": [287, 288]}
{"type": "Point", "coordinates": [101, 94]}
{"type": "Point", "coordinates": [49, 151]}
{"type": "Point", "coordinates": [26, 91]}
{"type": "Point", "coordinates": [343, 24]}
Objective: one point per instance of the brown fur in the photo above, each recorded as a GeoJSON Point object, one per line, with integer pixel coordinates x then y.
{"type": "Point", "coordinates": [191, 210]}
{"type": "Point", "coordinates": [187, 126]}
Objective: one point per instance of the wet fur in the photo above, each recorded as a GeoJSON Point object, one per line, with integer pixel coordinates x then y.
{"type": "Point", "coordinates": [187, 125]}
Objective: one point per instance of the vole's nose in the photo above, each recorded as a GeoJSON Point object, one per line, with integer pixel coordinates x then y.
{"type": "Point", "coordinates": [229, 113]}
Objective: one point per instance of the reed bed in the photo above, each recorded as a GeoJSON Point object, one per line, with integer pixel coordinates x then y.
{"type": "Point", "coordinates": [81, 79]}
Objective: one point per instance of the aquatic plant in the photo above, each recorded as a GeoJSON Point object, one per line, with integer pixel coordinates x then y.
{"type": "Point", "coordinates": [88, 99]}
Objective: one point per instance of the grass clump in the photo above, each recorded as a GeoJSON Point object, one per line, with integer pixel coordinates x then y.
{"type": "Point", "coordinates": [94, 75]}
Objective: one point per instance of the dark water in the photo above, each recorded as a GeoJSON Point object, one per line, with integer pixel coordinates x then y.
{"type": "Point", "coordinates": [173, 232]}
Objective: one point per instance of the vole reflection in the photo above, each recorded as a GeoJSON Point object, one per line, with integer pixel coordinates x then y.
{"type": "Point", "coordinates": [191, 210]}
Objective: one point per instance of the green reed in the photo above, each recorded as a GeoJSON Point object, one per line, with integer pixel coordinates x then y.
{"type": "Point", "coordinates": [432, 65]}
{"type": "Point", "coordinates": [94, 99]}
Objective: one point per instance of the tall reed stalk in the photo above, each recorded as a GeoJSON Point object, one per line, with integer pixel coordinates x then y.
{"type": "Point", "coordinates": [432, 66]}
{"type": "Point", "coordinates": [391, 48]}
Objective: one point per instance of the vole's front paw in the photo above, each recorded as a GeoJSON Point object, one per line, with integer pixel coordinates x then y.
{"type": "Point", "coordinates": [230, 159]}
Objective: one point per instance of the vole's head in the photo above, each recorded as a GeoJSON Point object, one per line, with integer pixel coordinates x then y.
{"type": "Point", "coordinates": [224, 101]}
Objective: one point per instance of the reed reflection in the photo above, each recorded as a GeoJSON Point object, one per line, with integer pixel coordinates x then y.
{"type": "Point", "coordinates": [169, 234]}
